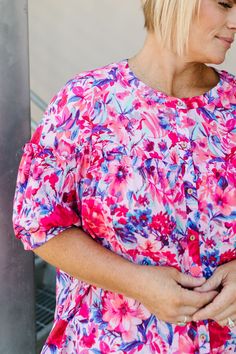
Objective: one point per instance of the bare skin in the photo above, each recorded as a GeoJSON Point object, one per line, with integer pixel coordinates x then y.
{"type": "Point", "coordinates": [188, 75]}
{"type": "Point", "coordinates": [165, 74]}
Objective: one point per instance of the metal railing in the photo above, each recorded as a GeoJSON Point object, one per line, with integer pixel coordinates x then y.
{"type": "Point", "coordinates": [42, 105]}
{"type": "Point", "coordinates": [44, 273]}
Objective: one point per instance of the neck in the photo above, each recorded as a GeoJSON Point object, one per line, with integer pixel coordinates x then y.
{"type": "Point", "coordinates": [164, 70]}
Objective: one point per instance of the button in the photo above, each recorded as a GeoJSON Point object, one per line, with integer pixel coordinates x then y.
{"type": "Point", "coordinates": [192, 238]}
{"type": "Point", "coordinates": [181, 104]}
{"type": "Point", "coordinates": [183, 144]}
{"type": "Point", "coordinates": [190, 191]}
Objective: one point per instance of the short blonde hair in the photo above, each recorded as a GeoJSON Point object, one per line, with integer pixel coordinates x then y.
{"type": "Point", "coordinates": [171, 19]}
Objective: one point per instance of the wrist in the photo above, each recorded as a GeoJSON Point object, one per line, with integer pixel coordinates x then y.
{"type": "Point", "coordinates": [138, 280]}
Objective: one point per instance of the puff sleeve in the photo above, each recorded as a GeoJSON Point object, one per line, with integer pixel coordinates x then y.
{"type": "Point", "coordinates": [46, 198]}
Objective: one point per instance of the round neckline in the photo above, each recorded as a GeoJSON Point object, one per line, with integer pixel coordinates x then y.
{"type": "Point", "coordinates": [193, 101]}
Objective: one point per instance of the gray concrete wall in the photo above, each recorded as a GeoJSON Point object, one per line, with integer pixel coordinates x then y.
{"type": "Point", "coordinates": [17, 322]}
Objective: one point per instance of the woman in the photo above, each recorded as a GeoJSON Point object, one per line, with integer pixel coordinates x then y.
{"type": "Point", "coordinates": [128, 188]}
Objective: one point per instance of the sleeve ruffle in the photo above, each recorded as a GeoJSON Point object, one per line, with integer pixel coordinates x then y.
{"type": "Point", "coordinates": [46, 198]}
{"type": "Point", "coordinates": [46, 195]}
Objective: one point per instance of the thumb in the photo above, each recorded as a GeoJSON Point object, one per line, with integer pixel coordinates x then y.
{"type": "Point", "coordinates": [188, 281]}
{"type": "Point", "coordinates": [211, 284]}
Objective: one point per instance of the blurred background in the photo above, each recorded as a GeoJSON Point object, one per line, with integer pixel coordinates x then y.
{"type": "Point", "coordinates": [65, 38]}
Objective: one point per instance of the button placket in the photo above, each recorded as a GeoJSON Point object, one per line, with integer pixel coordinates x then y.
{"type": "Point", "coordinates": [190, 191]}
{"type": "Point", "coordinates": [183, 131]}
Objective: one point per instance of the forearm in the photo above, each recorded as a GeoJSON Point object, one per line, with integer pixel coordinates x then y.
{"type": "Point", "coordinates": [76, 253]}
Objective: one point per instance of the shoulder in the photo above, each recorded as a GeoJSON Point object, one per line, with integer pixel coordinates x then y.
{"type": "Point", "coordinates": [228, 81]}
{"type": "Point", "coordinates": [93, 80]}
{"type": "Point", "coordinates": [226, 89]}
{"type": "Point", "coordinates": [83, 89]}
{"type": "Point", "coordinates": [73, 106]}
{"type": "Point", "coordinates": [99, 77]}
{"type": "Point", "coordinates": [227, 77]}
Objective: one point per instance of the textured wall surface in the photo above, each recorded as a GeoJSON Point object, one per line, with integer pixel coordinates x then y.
{"type": "Point", "coordinates": [17, 329]}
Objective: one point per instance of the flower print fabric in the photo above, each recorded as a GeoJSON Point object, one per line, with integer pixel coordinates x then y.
{"type": "Point", "coordinates": [152, 178]}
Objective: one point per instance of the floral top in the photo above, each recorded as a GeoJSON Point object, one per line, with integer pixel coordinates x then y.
{"type": "Point", "coordinates": [148, 176]}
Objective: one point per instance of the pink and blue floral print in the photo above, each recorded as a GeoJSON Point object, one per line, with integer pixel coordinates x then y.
{"type": "Point", "coordinates": [148, 176]}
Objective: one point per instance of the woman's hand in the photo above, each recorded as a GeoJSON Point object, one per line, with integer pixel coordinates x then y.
{"type": "Point", "coordinates": [169, 294]}
{"type": "Point", "coordinates": [224, 304]}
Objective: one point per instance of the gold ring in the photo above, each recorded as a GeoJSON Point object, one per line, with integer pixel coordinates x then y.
{"type": "Point", "coordinates": [231, 323]}
{"type": "Point", "coordinates": [182, 324]}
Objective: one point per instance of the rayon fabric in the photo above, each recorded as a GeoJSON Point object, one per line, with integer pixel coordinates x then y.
{"type": "Point", "coordinates": [148, 176]}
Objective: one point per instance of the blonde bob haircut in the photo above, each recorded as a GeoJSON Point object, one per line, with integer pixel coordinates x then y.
{"type": "Point", "coordinates": [171, 21]}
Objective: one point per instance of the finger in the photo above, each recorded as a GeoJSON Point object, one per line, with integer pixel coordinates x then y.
{"type": "Point", "coordinates": [176, 315]}
{"type": "Point", "coordinates": [226, 322]}
{"type": "Point", "coordinates": [197, 299]}
{"type": "Point", "coordinates": [228, 312]}
{"type": "Point", "coordinates": [181, 310]}
{"type": "Point", "coordinates": [184, 316]}
{"type": "Point", "coordinates": [184, 310]}
{"type": "Point", "coordinates": [218, 305]}
{"type": "Point", "coordinates": [187, 310]}
{"type": "Point", "coordinates": [183, 320]}
{"type": "Point", "coordinates": [211, 284]}
{"type": "Point", "coordinates": [188, 281]}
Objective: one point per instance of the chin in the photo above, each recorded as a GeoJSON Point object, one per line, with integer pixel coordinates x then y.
{"type": "Point", "coordinates": [216, 60]}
